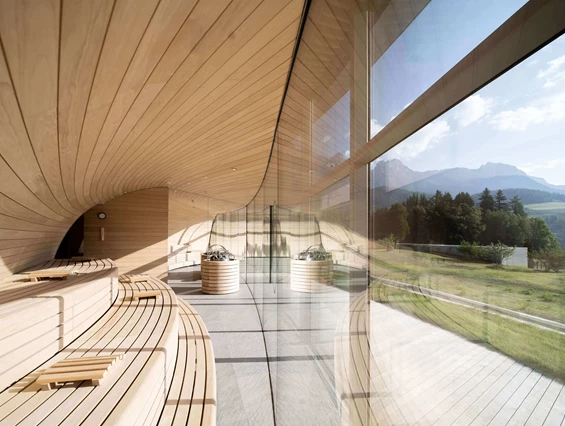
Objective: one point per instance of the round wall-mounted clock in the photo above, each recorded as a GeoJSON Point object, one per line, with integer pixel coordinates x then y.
{"type": "Point", "coordinates": [101, 215]}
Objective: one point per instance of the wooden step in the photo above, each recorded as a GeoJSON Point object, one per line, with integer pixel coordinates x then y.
{"type": "Point", "coordinates": [38, 275]}
{"type": "Point", "coordinates": [146, 294]}
{"type": "Point", "coordinates": [77, 370]}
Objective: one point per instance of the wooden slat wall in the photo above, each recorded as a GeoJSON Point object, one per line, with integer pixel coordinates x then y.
{"type": "Point", "coordinates": [135, 232]}
{"type": "Point", "coordinates": [190, 222]}
{"type": "Point", "coordinates": [106, 97]}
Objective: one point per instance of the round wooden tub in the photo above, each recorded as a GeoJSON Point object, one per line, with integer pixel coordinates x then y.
{"type": "Point", "coordinates": [310, 276]}
{"type": "Point", "coordinates": [220, 277]}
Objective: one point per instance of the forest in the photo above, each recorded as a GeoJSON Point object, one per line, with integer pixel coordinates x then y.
{"type": "Point", "coordinates": [444, 219]}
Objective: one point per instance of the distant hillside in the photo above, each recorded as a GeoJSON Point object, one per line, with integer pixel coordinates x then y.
{"type": "Point", "coordinates": [393, 175]}
{"type": "Point", "coordinates": [544, 182]}
{"type": "Point", "coordinates": [382, 198]}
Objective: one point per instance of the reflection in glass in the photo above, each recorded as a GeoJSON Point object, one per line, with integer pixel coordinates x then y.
{"type": "Point", "coordinates": [468, 222]}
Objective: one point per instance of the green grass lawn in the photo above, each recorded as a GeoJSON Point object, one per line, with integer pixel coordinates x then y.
{"type": "Point", "coordinates": [538, 348]}
{"type": "Point", "coordinates": [543, 207]}
{"type": "Point", "coordinates": [520, 289]}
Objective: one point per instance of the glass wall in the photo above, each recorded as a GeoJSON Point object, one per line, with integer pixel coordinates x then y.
{"type": "Point", "coordinates": [467, 221]}
{"type": "Point", "coordinates": [440, 36]}
{"type": "Point", "coordinates": [396, 289]}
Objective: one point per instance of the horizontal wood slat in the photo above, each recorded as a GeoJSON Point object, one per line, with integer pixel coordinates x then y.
{"type": "Point", "coordinates": [103, 98]}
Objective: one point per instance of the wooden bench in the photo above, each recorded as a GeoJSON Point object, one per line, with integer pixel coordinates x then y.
{"type": "Point", "coordinates": [192, 398]}
{"type": "Point", "coordinates": [138, 388]}
{"type": "Point", "coordinates": [83, 259]}
{"type": "Point", "coordinates": [36, 276]}
{"type": "Point", "coordinates": [145, 294]}
{"type": "Point", "coordinates": [92, 368]}
{"type": "Point", "coordinates": [134, 278]}
{"type": "Point", "coordinates": [37, 319]}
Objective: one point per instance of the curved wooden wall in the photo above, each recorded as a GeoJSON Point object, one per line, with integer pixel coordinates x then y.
{"type": "Point", "coordinates": [135, 232]}
{"type": "Point", "coordinates": [100, 98]}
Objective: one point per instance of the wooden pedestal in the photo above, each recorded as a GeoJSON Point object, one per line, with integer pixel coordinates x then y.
{"type": "Point", "coordinates": [220, 277]}
{"type": "Point", "coordinates": [310, 276]}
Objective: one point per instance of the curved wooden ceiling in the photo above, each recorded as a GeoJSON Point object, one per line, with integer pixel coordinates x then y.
{"type": "Point", "coordinates": [99, 98]}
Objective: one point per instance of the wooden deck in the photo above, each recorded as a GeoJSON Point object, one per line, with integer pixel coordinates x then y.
{"type": "Point", "coordinates": [409, 372]}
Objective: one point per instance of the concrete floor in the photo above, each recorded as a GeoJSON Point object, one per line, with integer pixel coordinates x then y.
{"type": "Point", "coordinates": [298, 342]}
{"type": "Point", "coordinates": [278, 350]}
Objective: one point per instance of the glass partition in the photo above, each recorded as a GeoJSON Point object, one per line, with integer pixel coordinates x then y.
{"type": "Point", "coordinates": [421, 286]}
{"type": "Point", "coordinates": [467, 222]}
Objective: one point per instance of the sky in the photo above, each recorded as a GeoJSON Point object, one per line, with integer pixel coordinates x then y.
{"type": "Point", "coordinates": [518, 119]}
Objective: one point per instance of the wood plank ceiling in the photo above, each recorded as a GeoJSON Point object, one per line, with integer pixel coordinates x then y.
{"type": "Point", "coordinates": [100, 98]}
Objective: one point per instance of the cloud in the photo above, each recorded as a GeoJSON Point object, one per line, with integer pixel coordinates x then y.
{"type": "Point", "coordinates": [546, 110]}
{"type": "Point", "coordinates": [424, 139]}
{"type": "Point", "coordinates": [472, 109]}
{"type": "Point", "coordinates": [375, 127]}
{"type": "Point", "coordinates": [554, 73]}
{"type": "Point", "coordinates": [531, 168]}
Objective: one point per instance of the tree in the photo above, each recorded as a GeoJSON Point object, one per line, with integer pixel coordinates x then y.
{"type": "Point", "coordinates": [468, 223]}
{"type": "Point", "coordinates": [551, 259]}
{"type": "Point", "coordinates": [464, 198]}
{"type": "Point", "coordinates": [391, 221]}
{"type": "Point", "coordinates": [500, 201]}
{"type": "Point", "coordinates": [517, 207]}
{"type": "Point", "coordinates": [496, 253]}
{"type": "Point", "coordinates": [502, 226]}
{"type": "Point", "coordinates": [389, 243]}
{"type": "Point", "coordinates": [540, 236]}
{"type": "Point", "coordinates": [486, 201]}
{"type": "Point", "coordinates": [417, 206]}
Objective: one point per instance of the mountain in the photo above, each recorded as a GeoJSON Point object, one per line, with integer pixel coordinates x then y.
{"type": "Point", "coordinates": [448, 182]}
{"type": "Point", "coordinates": [392, 181]}
{"type": "Point", "coordinates": [544, 182]}
{"type": "Point", "coordinates": [381, 197]}
{"type": "Point", "coordinates": [394, 174]}
{"type": "Point", "coordinates": [490, 175]}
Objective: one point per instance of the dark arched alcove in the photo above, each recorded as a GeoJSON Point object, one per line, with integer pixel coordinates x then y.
{"type": "Point", "coordinates": [71, 244]}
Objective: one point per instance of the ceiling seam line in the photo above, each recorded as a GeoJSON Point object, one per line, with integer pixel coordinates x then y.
{"type": "Point", "coordinates": [287, 84]}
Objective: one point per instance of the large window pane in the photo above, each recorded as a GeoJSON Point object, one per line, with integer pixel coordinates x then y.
{"type": "Point", "coordinates": [468, 218]}
{"type": "Point", "coordinates": [440, 36]}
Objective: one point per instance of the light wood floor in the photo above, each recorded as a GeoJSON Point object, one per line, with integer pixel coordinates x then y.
{"type": "Point", "coordinates": [417, 374]}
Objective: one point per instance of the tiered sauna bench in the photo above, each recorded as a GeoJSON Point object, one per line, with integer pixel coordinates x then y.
{"type": "Point", "coordinates": [43, 310]}
{"type": "Point", "coordinates": [162, 367]}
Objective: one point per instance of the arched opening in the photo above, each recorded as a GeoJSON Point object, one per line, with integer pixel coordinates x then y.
{"type": "Point", "coordinates": [73, 243]}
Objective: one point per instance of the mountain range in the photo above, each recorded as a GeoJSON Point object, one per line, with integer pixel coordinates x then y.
{"type": "Point", "coordinates": [394, 174]}
{"type": "Point", "coordinates": [394, 182]}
